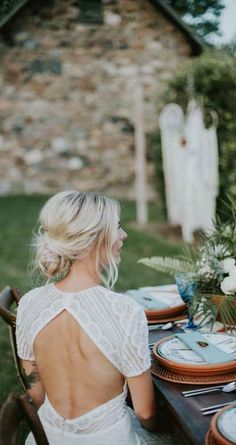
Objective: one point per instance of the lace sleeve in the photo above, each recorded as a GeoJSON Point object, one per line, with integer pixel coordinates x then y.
{"type": "Point", "coordinates": [24, 350]}
{"type": "Point", "coordinates": [136, 354]}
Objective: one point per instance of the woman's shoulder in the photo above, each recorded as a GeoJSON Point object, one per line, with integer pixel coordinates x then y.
{"type": "Point", "coordinates": [121, 297]}
{"type": "Point", "coordinates": [32, 295]}
{"type": "Point", "coordinates": [122, 303]}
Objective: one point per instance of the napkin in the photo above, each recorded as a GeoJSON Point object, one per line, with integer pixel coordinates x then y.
{"type": "Point", "coordinates": [206, 350]}
{"type": "Point", "coordinates": [146, 300]}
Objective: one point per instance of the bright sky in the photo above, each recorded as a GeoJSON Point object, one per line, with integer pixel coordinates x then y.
{"type": "Point", "coordinates": [228, 22]}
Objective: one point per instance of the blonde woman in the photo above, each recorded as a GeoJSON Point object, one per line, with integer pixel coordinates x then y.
{"type": "Point", "coordinates": [80, 343]}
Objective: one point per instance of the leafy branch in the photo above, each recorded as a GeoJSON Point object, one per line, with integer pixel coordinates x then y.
{"type": "Point", "coordinates": [171, 266]}
{"type": "Point", "coordinates": [215, 307]}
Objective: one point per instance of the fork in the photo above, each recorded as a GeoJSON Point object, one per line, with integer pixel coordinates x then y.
{"type": "Point", "coordinates": [224, 388]}
{"type": "Point", "coordinates": [209, 388]}
{"type": "Point", "coordinates": [214, 408]}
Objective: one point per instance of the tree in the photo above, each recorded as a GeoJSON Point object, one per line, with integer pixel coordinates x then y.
{"type": "Point", "coordinates": [202, 15]}
{"type": "Point", "coordinates": [231, 46]}
{"type": "Point", "coordinates": [214, 79]}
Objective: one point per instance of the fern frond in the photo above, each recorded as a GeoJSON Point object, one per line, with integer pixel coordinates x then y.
{"type": "Point", "coordinates": [227, 312]}
{"type": "Point", "coordinates": [170, 266]}
{"type": "Point", "coordinates": [218, 307]}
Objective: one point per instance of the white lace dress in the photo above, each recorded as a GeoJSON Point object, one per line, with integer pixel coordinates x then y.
{"type": "Point", "coordinates": [118, 327]}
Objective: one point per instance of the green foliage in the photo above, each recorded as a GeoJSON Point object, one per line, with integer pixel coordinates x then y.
{"type": "Point", "coordinates": [203, 15]}
{"type": "Point", "coordinates": [217, 307]}
{"type": "Point", "coordinates": [225, 228]}
{"type": "Point", "coordinates": [170, 266]}
{"type": "Point", "coordinates": [214, 80]}
{"type": "Point", "coordinates": [205, 266]}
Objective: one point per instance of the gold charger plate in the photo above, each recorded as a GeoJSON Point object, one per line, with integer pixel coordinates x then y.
{"type": "Point", "coordinates": [170, 376]}
{"type": "Point", "coordinates": [167, 319]}
{"type": "Point", "coordinates": [164, 313]}
{"type": "Point", "coordinates": [191, 369]}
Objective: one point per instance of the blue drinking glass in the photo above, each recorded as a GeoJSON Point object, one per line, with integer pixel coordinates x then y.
{"type": "Point", "coordinates": [187, 288]}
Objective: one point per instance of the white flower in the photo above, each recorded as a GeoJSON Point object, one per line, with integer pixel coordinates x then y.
{"type": "Point", "coordinates": [228, 285]}
{"type": "Point", "coordinates": [227, 231]}
{"type": "Point", "coordinates": [232, 271]}
{"type": "Point", "coordinates": [228, 264]}
{"type": "Point", "coordinates": [206, 271]}
{"type": "Point", "coordinates": [219, 249]}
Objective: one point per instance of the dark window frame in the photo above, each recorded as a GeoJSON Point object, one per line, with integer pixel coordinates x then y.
{"type": "Point", "coordinates": [91, 11]}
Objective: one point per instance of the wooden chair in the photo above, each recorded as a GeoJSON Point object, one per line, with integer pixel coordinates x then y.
{"type": "Point", "coordinates": [7, 298]}
{"type": "Point", "coordinates": [16, 408]}
{"type": "Point", "coordinates": [13, 412]}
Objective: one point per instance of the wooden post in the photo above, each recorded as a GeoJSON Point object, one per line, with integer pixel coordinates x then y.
{"type": "Point", "coordinates": [140, 157]}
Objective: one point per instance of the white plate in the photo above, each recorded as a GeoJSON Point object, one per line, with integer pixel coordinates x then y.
{"type": "Point", "coordinates": [168, 295]}
{"type": "Point", "coordinates": [176, 350]}
{"type": "Point", "coordinates": [226, 424]}
{"type": "Point", "coordinates": [164, 287]}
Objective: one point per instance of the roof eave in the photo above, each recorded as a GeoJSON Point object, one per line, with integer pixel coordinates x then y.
{"type": "Point", "coordinates": [10, 11]}
{"type": "Point", "coordinates": [197, 44]}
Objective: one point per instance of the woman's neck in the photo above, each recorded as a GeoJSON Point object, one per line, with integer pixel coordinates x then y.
{"type": "Point", "coordinates": [81, 276]}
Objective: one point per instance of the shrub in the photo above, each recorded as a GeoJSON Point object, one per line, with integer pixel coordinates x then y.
{"type": "Point", "coordinates": [214, 83]}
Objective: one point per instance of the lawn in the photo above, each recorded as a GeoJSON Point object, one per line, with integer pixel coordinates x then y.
{"type": "Point", "coordinates": [18, 215]}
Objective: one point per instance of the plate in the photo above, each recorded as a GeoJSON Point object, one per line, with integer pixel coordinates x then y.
{"type": "Point", "coordinates": [171, 295]}
{"type": "Point", "coordinates": [173, 354]}
{"type": "Point", "coordinates": [210, 439]}
{"type": "Point", "coordinates": [163, 313]}
{"type": "Point", "coordinates": [223, 425]}
{"type": "Point", "coordinates": [167, 295]}
{"type": "Point", "coordinates": [182, 316]}
{"type": "Point", "coordinates": [227, 424]}
{"type": "Point", "coordinates": [183, 379]}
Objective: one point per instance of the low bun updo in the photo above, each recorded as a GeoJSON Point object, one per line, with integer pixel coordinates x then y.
{"type": "Point", "coordinates": [71, 223]}
{"type": "Point", "coordinates": [51, 260]}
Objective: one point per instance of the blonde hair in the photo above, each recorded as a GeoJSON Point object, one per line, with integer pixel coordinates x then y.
{"type": "Point", "coordinates": [72, 223]}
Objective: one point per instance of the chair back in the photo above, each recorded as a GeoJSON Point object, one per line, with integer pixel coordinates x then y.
{"type": "Point", "coordinates": [13, 412]}
{"type": "Point", "coordinates": [8, 297]}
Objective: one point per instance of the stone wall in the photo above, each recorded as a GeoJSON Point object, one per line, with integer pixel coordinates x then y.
{"type": "Point", "coordinates": [66, 109]}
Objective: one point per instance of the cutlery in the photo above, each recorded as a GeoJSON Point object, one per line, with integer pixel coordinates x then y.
{"type": "Point", "coordinates": [223, 388]}
{"type": "Point", "coordinates": [214, 408]}
{"type": "Point", "coordinates": [163, 326]}
{"type": "Point", "coordinates": [201, 389]}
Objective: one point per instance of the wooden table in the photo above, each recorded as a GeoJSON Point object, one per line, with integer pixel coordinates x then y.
{"type": "Point", "coordinates": [180, 414]}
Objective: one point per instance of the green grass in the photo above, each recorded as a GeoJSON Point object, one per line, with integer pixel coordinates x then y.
{"type": "Point", "coordinates": [18, 215]}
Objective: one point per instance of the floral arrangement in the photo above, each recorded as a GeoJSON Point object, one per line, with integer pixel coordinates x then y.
{"type": "Point", "coordinates": [212, 267]}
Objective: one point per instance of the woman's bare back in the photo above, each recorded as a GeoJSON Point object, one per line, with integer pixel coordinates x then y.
{"type": "Point", "coordinates": [76, 375]}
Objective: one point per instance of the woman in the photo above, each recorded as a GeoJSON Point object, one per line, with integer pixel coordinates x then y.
{"type": "Point", "coordinates": [80, 343]}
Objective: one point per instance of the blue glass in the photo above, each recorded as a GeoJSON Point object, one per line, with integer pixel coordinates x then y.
{"type": "Point", "coordinates": [187, 288]}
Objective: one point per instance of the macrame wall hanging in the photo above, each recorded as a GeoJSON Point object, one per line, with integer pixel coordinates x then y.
{"type": "Point", "coordinates": [190, 164]}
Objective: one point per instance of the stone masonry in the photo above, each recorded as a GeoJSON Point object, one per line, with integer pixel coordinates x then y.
{"type": "Point", "coordinates": [66, 107]}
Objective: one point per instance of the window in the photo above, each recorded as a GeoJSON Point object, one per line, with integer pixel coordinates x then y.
{"type": "Point", "coordinates": [91, 11]}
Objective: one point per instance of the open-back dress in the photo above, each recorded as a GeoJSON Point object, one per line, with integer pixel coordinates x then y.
{"type": "Point", "coordinates": [118, 327]}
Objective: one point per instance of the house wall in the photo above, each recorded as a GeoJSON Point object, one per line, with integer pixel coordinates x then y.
{"type": "Point", "coordinates": [67, 95]}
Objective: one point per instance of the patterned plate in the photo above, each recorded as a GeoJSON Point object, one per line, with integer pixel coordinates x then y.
{"type": "Point", "coordinates": [170, 376]}
{"type": "Point", "coordinates": [227, 424]}
{"type": "Point", "coordinates": [223, 425]}
{"type": "Point", "coordinates": [173, 354]}
{"type": "Point", "coordinates": [166, 295]}
{"type": "Point", "coordinates": [175, 303]}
